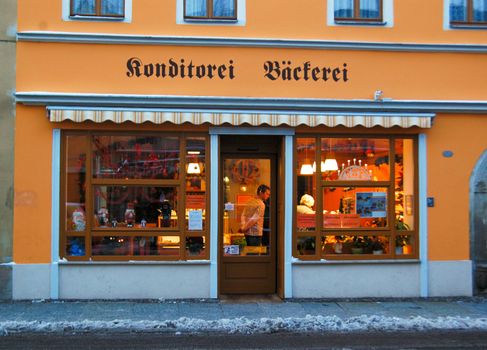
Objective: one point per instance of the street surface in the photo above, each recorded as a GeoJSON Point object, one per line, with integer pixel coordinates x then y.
{"type": "Point", "coordinates": [370, 340]}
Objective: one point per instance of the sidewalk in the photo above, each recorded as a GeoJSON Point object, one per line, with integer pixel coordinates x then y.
{"type": "Point", "coordinates": [248, 315]}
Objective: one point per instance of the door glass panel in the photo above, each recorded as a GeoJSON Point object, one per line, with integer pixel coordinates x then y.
{"type": "Point", "coordinates": [246, 218]}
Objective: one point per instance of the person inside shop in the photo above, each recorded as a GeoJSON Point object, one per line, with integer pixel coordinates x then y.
{"type": "Point", "coordinates": [306, 205]}
{"type": "Point", "coordinates": [252, 219]}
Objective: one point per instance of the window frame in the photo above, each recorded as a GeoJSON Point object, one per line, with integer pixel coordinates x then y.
{"type": "Point", "coordinates": [469, 22]}
{"type": "Point", "coordinates": [356, 14]}
{"type": "Point", "coordinates": [91, 182]}
{"type": "Point", "coordinates": [97, 13]}
{"type": "Point", "coordinates": [210, 16]}
{"type": "Point", "coordinates": [390, 231]}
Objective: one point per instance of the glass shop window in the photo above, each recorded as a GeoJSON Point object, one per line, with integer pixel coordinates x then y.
{"type": "Point", "coordinates": [359, 193]}
{"type": "Point", "coordinates": [134, 196]}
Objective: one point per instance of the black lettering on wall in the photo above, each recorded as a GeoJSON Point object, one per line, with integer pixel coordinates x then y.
{"type": "Point", "coordinates": [133, 67]}
{"type": "Point", "coordinates": [289, 71]}
{"type": "Point", "coordinates": [174, 69]}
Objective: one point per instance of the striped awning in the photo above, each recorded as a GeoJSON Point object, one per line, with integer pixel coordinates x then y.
{"type": "Point", "coordinates": [368, 120]}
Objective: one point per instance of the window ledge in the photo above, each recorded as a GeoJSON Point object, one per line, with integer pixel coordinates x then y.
{"type": "Point", "coordinates": [468, 26]}
{"type": "Point", "coordinates": [212, 20]}
{"type": "Point", "coordinates": [135, 262]}
{"type": "Point", "coordinates": [360, 23]}
{"type": "Point", "coordinates": [354, 262]}
{"type": "Point", "coordinates": [96, 18]}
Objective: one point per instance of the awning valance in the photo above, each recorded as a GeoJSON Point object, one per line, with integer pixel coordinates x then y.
{"type": "Point", "coordinates": [368, 120]}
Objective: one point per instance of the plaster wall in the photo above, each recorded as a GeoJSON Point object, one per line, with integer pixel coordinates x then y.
{"type": "Point", "coordinates": [125, 281]}
{"type": "Point", "coordinates": [413, 21]}
{"type": "Point", "coordinates": [31, 281]}
{"type": "Point", "coordinates": [450, 278]}
{"type": "Point", "coordinates": [355, 280]}
{"type": "Point", "coordinates": [8, 23]}
{"type": "Point", "coordinates": [449, 182]}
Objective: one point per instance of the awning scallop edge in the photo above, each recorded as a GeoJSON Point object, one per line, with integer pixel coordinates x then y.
{"type": "Point", "coordinates": [368, 120]}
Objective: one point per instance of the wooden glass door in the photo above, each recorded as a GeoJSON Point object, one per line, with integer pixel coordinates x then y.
{"type": "Point", "coordinates": [248, 232]}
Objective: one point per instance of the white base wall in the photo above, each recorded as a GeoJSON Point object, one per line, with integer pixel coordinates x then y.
{"type": "Point", "coordinates": [134, 281]}
{"type": "Point", "coordinates": [174, 281]}
{"type": "Point", "coordinates": [450, 278]}
{"type": "Point", "coordinates": [31, 281]}
{"type": "Point", "coordinates": [355, 280]}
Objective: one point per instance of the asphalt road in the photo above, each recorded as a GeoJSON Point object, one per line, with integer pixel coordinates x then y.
{"type": "Point", "coordinates": [370, 340]}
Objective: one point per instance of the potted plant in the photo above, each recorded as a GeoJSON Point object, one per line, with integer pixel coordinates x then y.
{"type": "Point", "coordinates": [195, 245]}
{"type": "Point", "coordinates": [402, 241]}
{"type": "Point", "coordinates": [338, 245]}
{"type": "Point", "coordinates": [241, 242]}
{"type": "Point", "coordinates": [307, 246]}
{"type": "Point", "coordinates": [358, 245]}
{"type": "Point", "coordinates": [377, 246]}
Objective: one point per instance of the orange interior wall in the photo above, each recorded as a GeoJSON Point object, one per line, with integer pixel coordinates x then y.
{"type": "Point", "coordinates": [449, 182]}
{"type": "Point", "coordinates": [414, 21]}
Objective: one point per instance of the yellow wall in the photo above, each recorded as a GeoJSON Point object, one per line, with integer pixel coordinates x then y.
{"type": "Point", "coordinates": [88, 68]}
{"type": "Point", "coordinates": [32, 183]}
{"type": "Point", "coordinates": [33, 178]}
{"type": "Point", "coordinates": [448, 178]}
{"type": "Point", "coordinates": [414, 21]}
{"type": "Point", "coordinates": [102, 69]}
{"type": "Point", "coordinates": [448, 182]}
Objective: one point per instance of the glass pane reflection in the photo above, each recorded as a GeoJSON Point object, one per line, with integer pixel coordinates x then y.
{"type": "Point", "coordinates": [246, 220]}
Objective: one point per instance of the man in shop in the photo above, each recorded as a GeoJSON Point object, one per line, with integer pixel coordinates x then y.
{"type": "Point", "coordinates": [252, 219]}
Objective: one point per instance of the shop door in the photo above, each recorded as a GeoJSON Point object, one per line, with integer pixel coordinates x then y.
{"type": "Point", "coordinates": [248, 224]}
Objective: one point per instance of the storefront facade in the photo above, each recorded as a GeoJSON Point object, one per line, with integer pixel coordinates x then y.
{"type": "Point", "coordinates": [139, 156]}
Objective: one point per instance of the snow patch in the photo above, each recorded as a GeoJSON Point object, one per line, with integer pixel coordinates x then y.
{"type": "Point", "coordinates": [243, 325]}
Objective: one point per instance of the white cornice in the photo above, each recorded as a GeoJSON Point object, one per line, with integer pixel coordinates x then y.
{"type": "Point", "coordinates": [123, 39]}
{"type": "Point", "coordinates": [249, 104]}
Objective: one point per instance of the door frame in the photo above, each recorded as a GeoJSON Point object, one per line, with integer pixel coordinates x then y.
{"type": "Point", "coordinates": [285, 170]}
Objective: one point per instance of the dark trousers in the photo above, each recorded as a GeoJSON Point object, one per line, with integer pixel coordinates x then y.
{"type": "Point", "coordinates": [253, 240]}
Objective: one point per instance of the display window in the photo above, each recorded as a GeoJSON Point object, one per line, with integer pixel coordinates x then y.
{"type": "Point", "coordinates": [134, 196]}
{"type": "Point", "coordinates": [356, 198]}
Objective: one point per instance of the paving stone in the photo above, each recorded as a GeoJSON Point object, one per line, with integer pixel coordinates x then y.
{"type": "Point", "coordinates": [205, 311]}
{"type": "Point", "coordinates": [322, 309]}
{"type": "Point", "coordinates": [249, 310]}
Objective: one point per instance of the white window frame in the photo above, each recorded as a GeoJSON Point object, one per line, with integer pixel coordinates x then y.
{"type": "Point", "coordinates": [127, 18]}
{"type": "Point", "coordinates": [387, 16]}
{"type": "Point", "coordinates": [240, 21]}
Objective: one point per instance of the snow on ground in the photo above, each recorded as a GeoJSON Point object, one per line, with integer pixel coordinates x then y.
{"type": "Point", "coordinates": [244, 325]}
